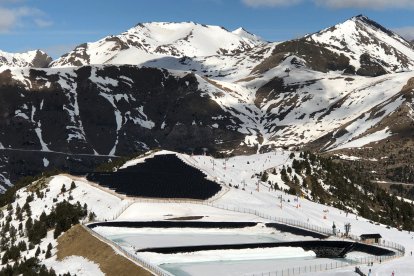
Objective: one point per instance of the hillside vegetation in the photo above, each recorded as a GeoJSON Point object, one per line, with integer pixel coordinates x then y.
{"type": "Point", "coordinates": [334, 183]}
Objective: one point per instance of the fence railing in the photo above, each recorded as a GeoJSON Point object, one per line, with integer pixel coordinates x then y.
{"type": "Point", "coordinates": [141, 261]}
{"type": "Point", "coordinates": [292, 222]}
{"type": "Point", "coordinates": [325, 266]}
{"type": "Point", "coordinates": [400, 250]}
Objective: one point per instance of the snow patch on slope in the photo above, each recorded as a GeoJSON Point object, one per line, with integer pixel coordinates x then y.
{"type": "Point", "coordinates": [370, 138]}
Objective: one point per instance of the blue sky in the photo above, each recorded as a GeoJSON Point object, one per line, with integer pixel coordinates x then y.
{"type": "Point", "coordinates": [57, 26]}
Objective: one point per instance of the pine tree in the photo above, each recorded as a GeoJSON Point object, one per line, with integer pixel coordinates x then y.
{"type": "Point", "coordinates": [48, 254]}
{"type": "Point", "coordinates": [37, 253]}
{"type": "Point", "coordinates": [264, 177]}
{"type": "Point", "coordinates": [72, 185]}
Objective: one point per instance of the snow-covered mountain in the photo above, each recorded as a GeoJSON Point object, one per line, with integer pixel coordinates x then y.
{"type": "Point", "coordinates": [149, 41]}
{"type": "Point", "coordinates": [194, 86]}
{"type": "Point", "coordinates": [35, 58]}
{"type": "Point", "coordinates": [357, 46]}
{"type": "Point", "coordinates": [370, 48]}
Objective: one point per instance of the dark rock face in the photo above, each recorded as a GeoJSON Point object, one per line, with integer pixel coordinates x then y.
{"type": "Point", "coordinates": [102, 112]}
{"type": "Point", "coordinates": [41, 60]}
{"type": "Point", "coordinates": [78, 58]}
{"type": "Point", "coordinates": [15, 164]}
{"type": "Point", "coordinates": [370, 67]}
{"type": "Point", "coordinates": [374, 24]}
{"type": "Point", "coordinates": [317, 57]}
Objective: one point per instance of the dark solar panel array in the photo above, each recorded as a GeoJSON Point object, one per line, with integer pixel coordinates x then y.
{"type": "Point", "coordinates": [163, 176]}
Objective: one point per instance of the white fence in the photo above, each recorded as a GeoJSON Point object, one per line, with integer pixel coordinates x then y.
{"type": "Point", "coordinates": [325, 266]}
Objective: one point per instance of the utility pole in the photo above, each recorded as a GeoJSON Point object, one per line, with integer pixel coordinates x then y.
{"type": "Point", "coordinates": [297, 47]}
{"type": "Point", "coordinates": [287, 70]}
{"type": "Point", "coordinates": [347, 228]}
{"type": "Point", "coordinates": [281, 201]}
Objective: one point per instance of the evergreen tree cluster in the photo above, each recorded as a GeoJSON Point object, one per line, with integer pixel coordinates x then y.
{"type": "Point", "coordinates": [61, 218]}
{"type": "Point", "coordinates": [348, 188]}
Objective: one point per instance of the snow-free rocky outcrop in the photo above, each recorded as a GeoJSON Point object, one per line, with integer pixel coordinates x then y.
{"type": "Point", "coordinates": [193, 87]}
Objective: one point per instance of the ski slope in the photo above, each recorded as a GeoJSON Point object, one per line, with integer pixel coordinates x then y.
{"type": "Point", "coordinates": [240, 169]}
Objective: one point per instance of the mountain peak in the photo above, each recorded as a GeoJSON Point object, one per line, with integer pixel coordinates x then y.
{"type": "Point", "coordinates": [242, 32]}
{"type": "Point", "coordinates": [373, 24]}
{"type": "Point", "coordinates": [369, 46]}
{"type": "Point", "coordinates": [34, 58]}
{"type": "Point", "coordinates": [160, 40]}
{"type": "Point", "coordinates": [359, 16]}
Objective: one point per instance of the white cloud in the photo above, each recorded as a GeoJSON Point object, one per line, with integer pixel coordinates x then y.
{"type": "Point", "coordinates": [12, 17]}
{"type": "Point", "coordinates": [370, 4]}
{"type": "Point", "coordinates": [406, 32]}
{"type": "Point", "coordinates": [7, 19]}
{"type": "Point", "coordinates": [271, 3]}
{"type": "Point", "coordinates": [42, 23]}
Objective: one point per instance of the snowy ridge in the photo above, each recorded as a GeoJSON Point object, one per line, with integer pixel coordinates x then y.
{"type": "Point", "coordinates": [246, 34]}
{"type": "Point", "coordinates": [360, 35]}
{"type": "Point", "coordinates": [149, 41]}
{"type": "Point", "coordinates": [34, 58]}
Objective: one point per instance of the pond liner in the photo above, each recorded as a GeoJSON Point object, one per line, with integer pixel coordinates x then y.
{"type": "Point", "coordinates": [207, 224]}
{"type": "Point", "coordinates": [174, 224]}
{"type": "Point", "coordinates": [295, 230]}
{"type": "Point", "coordinates": [322, 248]}
{"type": "Point", "coordinates": [163, 176]}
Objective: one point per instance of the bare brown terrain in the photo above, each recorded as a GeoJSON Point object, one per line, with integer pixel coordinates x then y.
{"type": "Point", "coordinates": [78, 242]}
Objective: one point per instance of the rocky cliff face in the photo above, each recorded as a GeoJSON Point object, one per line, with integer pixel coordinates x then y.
{"type": "Point", "coordinates": [104, 112]}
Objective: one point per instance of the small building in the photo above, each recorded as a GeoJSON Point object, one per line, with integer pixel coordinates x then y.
{"type": "Point", "coordinates": [371, 238]}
